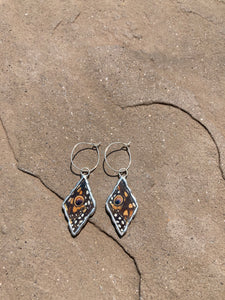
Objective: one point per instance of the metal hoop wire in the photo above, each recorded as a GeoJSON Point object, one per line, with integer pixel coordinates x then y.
{"type": "Point", "coordinates": [85, 170]}
{"type": "Point", "coordinates": [122, 170]}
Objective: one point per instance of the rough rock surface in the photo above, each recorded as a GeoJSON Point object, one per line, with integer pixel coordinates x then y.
{"type": "Point", "coordinates": [40, 260]}
{"type": "Point", "coordinates": [142, 71]}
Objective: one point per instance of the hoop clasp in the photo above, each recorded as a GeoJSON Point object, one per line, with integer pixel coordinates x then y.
{"type": "Point", "coordinates": [85, 171]}
{"type": "Point", "coordinates": [122, 172]}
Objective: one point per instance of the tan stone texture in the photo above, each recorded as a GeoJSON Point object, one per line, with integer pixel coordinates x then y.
{"type": "Point", "coordinates": [149, 72]}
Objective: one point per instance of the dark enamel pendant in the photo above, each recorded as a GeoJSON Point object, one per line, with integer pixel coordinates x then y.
{"type": "Point", "coordinates": [79, 205]}
{"type": "Point", "coordinates": [121, 206]}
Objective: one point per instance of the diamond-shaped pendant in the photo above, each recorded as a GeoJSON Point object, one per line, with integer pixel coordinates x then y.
{"type": "Point", "coordinates": [121, 206]}
{"type": "Point", "coordinates": [79, 205]}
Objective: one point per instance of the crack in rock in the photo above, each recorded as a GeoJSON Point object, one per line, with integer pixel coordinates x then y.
{"type": "Point", "coordinates": [71, 21]}
{"type": "Point", "coordinates": [57, 25]}
{"type": "Point", "coordinates": [93, 223]}
{"type": "Point", "coordinates": [190, 115]}
{"type": "Point", "coordinates": [8, 139]}
{"type": "Point", "coordinates": [123, 248]}
{"type": "Point", "coordinates": [36, 176]}
{"type": "Point", "coordinates": [96, 226]}
{"type": "Point", "coordinates": [189, 11]}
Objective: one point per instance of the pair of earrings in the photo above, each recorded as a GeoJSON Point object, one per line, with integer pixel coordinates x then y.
{"type": "Point", "coordinates": [80, 204]}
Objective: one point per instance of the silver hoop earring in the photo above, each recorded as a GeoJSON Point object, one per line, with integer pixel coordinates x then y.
{"type": "Point", "coordinates": [80, 204]}
{"type": "Point", "coordinates": [121, 204]}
